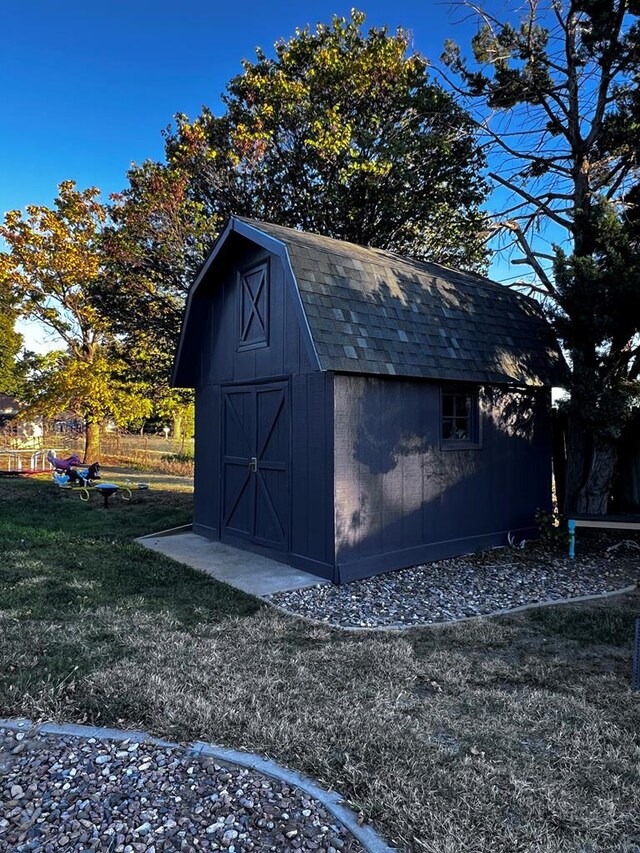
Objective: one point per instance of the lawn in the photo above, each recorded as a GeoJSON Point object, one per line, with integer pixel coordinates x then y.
{"type": "Point", "coordinates": [517, 734]}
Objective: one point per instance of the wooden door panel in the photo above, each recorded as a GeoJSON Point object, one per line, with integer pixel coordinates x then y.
{"type": "Point", "coordinates": [271, 509]}
{"type": "Point", "coordinates": [256, 426]}
{"type": "Point", "coordinates": [238, 486]}
{"type": "Point", "coordinates": [272, 479]}
{"type": "Point", "coordinates": [238, 424]}
{"type": "Point", "coordinates": [238, 499]}
{"type": "Point", "coordinates": [273, 426]}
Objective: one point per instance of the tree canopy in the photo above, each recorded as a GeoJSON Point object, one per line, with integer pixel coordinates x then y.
{"type": "Point", "coordinates": [555, 97]}
{"type": "Point", "coordinates": [53, 270]}
{"type": "Point", "coordinates": [10, 344]}
{"type": "Point", "coordinates": [342, 132]}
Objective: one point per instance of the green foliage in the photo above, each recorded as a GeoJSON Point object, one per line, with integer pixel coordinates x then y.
{"type": "Point", "coordinates": [598, 319]}
{"type": "Point", "coordinates": [92, 390]}
{"type": "Point", "coordinates": [54, 269]}
{"type": "Point", "coordinates": [10, 345]}
{"type": "Point", "coordinates": [155, 243]}
{"type": "Point", "coordinates": [342, 133]}
{"type": "Point", "coordinates": [551, 527]}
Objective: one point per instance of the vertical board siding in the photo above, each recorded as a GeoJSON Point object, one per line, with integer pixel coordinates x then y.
{"type": "Point", "coordinates": [396, 489]}
{"type": "Point", "coordinates": [311, 482]}
{"type": "Point", "coordinates": [206, 509]}
{"type": "Point", "coordinates": [222, 361]}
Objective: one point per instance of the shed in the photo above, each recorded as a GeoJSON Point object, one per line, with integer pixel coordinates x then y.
{"type": "Point", "coordinates": [358, 412]}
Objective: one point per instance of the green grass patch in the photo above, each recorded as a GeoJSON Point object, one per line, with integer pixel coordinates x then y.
{"type": "Point", "coordinates": [513, 734]}
{"type": "Point", "coordinates": [64, 558]}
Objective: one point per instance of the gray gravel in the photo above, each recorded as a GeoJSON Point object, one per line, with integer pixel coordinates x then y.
{"type": "Point", "coordinates": [73, 794]}
{"type": "Point", "coordinates": [499, 579]}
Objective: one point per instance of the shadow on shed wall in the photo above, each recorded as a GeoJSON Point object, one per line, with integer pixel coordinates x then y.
{"type": "Point", "coordinates": [396, 489]}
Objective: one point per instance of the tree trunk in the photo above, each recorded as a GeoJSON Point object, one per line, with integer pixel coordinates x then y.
{"type": "Point", "coordinates": [559, 456]}
{"type": "Point", "coordinates": [591, 462]}
{"type": "Point", "coordinates": [176, 427]}
{"type": "Point", "coordinates": [91, 441]}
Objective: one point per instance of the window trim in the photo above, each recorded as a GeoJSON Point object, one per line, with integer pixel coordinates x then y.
{"type": "Point", "coordinates": [244, 346]}
{"type": "Point", "coordinates": [475, 441]}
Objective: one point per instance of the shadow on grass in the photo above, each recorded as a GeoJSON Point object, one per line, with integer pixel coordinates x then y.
{"type": "Point", "coordinates": [508, 734]}
{"type": "Point", "coordinates": [62, 556]}
{"type": "Point", "coordinates": [597, 625]}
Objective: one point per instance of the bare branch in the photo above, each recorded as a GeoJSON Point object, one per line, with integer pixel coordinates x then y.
{"type": "Point", "coordinates": [560, 220]}
{"type": "Point", "coordinates": [530, 255]}
{"type": "Point", "coordinates": [551, 163]}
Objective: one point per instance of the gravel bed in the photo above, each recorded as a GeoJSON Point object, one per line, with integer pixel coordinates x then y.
{"type": "Point", "coordinates": [476, 585]}
{"type": "Point", "coordinates": [74, 794]}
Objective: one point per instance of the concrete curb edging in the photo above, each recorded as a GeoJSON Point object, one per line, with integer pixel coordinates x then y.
{"type": "Point", "coordinates": [400, 628]}
{"type": "Point", "coordinates": [331, 800]}
{"type": "Point", "coordinates": [170, 531]}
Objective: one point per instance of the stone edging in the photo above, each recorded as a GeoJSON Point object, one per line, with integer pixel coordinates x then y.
{"type": "Point", "coordinates": [399, 627]}
{"type": "Point", "coordinates": [331, 800]}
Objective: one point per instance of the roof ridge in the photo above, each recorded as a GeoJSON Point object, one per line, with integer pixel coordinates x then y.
{"type": "Point", "coordinates": [483, 280]}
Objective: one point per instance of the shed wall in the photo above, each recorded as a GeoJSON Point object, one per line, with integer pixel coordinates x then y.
{"type": "Point", "coordinates": [222, 360]}
{"type": "Point", "coordinates": [206, 506]}
{"type": "Point", "coordinates": [400, 498]}
{"type": "Point", "coordinates": [224, 365]}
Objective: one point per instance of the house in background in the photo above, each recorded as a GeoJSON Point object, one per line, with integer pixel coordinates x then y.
{"type": "Point", "coordinates": [9, 408]}
{"type": "Point", "coordinates": [358, 412]}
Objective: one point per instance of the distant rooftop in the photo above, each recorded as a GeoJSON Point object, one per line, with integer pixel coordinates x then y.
{"type": "Point", "coordinates": [8, 405]}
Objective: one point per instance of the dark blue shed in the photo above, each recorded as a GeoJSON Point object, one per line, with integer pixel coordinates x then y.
{"type": "Point", "coordinates": [357, 411]}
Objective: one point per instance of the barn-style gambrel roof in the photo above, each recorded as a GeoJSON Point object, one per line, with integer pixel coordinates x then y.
{"type": "Point", "coordinates": [373, 312]}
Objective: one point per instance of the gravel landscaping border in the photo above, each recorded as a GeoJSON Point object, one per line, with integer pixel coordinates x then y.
{"type": "Point", "coordinates": [330, 800]}
{"type": "Point", "coordinates": [399, 627]}
{"type": "Point", "coordinates": [497, 582]}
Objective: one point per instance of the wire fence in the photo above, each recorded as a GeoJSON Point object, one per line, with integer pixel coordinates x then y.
{"type": "Point", "coordinates": [24, 447]}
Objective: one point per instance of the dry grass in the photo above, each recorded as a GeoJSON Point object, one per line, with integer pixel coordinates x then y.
{"type": "Point", "coordinates": [506, 735]}
{"type": "Point", "coordinates": [174, 464]}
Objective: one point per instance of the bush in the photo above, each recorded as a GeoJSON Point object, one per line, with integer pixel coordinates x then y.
{"type": "Point", "coordinates": [185, 458]}
{"type": "Point", "coordinates": [552, 528]}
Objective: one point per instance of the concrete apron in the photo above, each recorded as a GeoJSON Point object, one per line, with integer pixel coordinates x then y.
{"type": "Point", "coordinates": [248, 572]}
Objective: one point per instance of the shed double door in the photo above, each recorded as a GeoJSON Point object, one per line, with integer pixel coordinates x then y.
{"type": "Point", "coordinates": [255, 464]}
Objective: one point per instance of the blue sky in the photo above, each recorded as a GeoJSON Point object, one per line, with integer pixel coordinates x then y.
{"type": "Point", "coordinates": [86, 88]}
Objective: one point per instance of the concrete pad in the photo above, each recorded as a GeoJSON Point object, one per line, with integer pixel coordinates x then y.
{"type": "Point", "coordinates": [246, 571]}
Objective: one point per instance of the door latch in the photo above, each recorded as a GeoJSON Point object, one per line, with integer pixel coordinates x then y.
{"type": "Point", "coordinates": [253, 464]}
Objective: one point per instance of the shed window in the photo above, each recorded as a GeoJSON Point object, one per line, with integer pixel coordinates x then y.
{"type": "Point", "coordinates": [459, 419]}
{"type": "Point", "coordinates": [253, 289]}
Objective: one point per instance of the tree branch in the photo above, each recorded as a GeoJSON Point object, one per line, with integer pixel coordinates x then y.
{"type": "Point", "coordinates": [565, 223]}
{"type": "Point", "coordinates": [530, 256]}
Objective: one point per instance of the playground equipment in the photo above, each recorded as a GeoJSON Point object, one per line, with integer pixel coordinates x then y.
{"type": "Point", "coordinates": [68, 476]}
{"type": "Point", "coordinates": [24, 463]}
{"type": "Point", "coordinates": [106, 490]}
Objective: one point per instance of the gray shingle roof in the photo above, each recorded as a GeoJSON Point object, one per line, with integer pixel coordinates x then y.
{"type": "Point", "coordinates": [371, 311]}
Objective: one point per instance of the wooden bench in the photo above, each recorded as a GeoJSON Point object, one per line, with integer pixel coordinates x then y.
{"type": "Point", "coordinates": [613, 522]}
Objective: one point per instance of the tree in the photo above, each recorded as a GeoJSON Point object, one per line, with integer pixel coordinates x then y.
{"type": "Point", "coordinates": [10, 345]}
{"type": "Point", "coordinates": [54, 269]}
{"type": "Point", "coordinates": [341, 133]}
{"type": "Point", "coordinates": [556, 98]}
{"type": "Point", "coordinates": [154, 245]}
